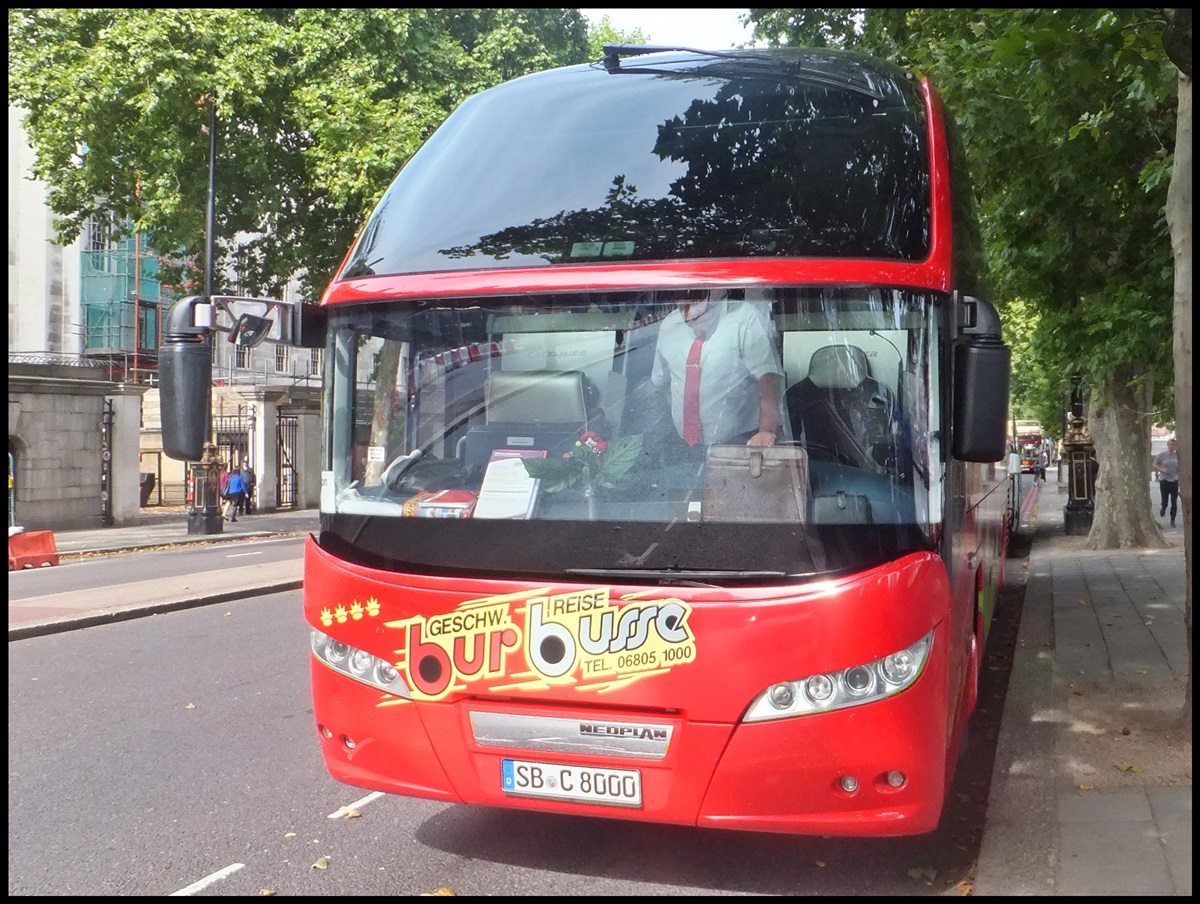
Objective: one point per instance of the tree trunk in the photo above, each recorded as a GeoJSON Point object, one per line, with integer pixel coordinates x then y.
{"type": "Point", "coordinates": [1179, 219]}
{"type": "Point", "coordinates": [386, 405]}
{"type": "Point", "coordinates": [1119, 422]}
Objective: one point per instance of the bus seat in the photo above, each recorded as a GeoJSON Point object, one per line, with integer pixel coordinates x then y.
{"type": "Point", "coordinates": [540, 410]}
{"type": "Point", "coordinates": [839, 405]}
{"type": "Point", "coordinates": [539, 397]}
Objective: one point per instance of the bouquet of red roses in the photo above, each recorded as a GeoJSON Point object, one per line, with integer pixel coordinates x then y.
{"type": "Point", "coordinates": [593, 463]}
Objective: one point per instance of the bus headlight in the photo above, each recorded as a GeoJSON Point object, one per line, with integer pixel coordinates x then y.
{"type": "Point", "coordinates": [358, 664]}
{"type": "Point", "coordinates": [853, 686]}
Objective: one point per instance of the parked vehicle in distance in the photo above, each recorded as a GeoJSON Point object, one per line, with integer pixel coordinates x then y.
{"type": "Point", "coordinates": [1035, 447]}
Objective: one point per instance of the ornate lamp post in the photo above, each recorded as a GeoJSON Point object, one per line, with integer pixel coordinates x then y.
{"type": "Point", "coordinates": [205, 515]}
{"type": "Point", "coordinates": [1080, 453]}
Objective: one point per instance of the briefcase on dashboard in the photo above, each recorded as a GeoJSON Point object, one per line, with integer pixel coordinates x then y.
{"type": "Point", "coordinates": [756, 483]}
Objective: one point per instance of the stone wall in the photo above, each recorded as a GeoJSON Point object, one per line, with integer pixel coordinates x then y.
{"type": "Point", "coordinates": [55, 418]}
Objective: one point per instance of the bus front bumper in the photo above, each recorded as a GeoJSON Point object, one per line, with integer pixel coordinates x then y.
{"type": "Point", "coordinates": [825, 774]}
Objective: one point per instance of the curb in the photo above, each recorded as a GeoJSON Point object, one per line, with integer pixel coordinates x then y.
{"type": "Point", "coordinates": [176, 544]}
{"type": "Point", "coordinates": [1019, 851]}
{"type": "Point", "coordinates": [110, 616]}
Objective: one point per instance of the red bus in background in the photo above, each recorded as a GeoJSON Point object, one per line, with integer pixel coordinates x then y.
{"type": "Point", "coordinates": [523, 594]}
{"type": "Point", "coordinates": [1035, 448]}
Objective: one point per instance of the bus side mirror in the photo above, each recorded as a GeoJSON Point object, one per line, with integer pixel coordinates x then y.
{"type": "Point", "coordinates": [185, 381]}
{"type": "Point", "coordinates": [250, 331]}
{"type": "Point", "coordinates": [310, 325]}
{"type": "Point", "coordinates": [185, 358]}
{"type": "Point", "coordinates": [185, 378]}
{"type": "Point", "coordinates": [982, 367]}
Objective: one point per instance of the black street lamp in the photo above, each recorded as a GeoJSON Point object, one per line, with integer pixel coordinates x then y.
{"type": "Point", "coordinates": [1080, 453]}
{"type": "Point", "coordinates": [205, 515]}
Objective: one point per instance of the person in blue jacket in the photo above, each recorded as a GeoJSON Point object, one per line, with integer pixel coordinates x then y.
{"type": "Point", "coordinates": [235, 492]}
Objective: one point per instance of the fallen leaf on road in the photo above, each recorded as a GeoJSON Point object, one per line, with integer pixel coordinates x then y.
{"type": "Point", "coordinates": [290, 835]}
{"type": "Point", "coordinates": [349, 812]}
{"type": "Point", "coordinates": [322, 863]}
{"type": "Point", "coordinates": [1126, 767]}
{"type": "Point", "coordinates": [265, 891]}
{"type": "Point", "coordinates": [441, 892]}
{"type": "Point", "coordinates": [1087, 787]}
{"type": "Point", "coordinates": [189, 706]}
{"type": "Point", "coordinates": [966, 887]}
{"type": "Point", "coordinates": [1076, 690]}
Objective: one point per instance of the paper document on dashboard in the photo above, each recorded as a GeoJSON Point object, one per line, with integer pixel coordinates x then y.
{"type": "Point", "coordinates": [508, 491]}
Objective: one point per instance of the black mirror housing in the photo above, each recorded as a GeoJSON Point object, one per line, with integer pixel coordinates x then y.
{"type": "Point", "coordinates": [185, 372]}
{"type": "Point", "coordinates": [982, 368]}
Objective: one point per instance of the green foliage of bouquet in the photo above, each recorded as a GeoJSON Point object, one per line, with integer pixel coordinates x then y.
{"type": "Point", "coordinates": [592, 463]}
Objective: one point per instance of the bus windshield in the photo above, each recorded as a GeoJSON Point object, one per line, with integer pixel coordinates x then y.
{"type": "Point", "coordinates": [542, 432]}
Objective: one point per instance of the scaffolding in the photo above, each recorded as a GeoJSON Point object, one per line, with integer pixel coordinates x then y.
{"type": "Point", "coordinates": [124, 303]}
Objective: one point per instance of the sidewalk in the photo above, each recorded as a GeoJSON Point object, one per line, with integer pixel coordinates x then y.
{"type": "Point", "coordinates": [1091, 789]}
{"type": "Point", "coordinates": [167, 525]}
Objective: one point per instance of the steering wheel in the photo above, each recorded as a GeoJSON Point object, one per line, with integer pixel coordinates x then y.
{"type": "Point", "coordinates": [396, 468]}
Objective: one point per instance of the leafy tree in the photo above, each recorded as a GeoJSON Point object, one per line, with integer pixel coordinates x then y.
{"type": "Point", "coordinates": [604, 33]}
{"type": "Point", "coordinates": [1036, 389]}
{"type": "Point", "coordinates": [316, 110]}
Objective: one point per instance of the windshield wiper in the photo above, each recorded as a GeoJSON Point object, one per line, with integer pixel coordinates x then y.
{"type": "Point", "coordinates": [614, 52]}
{"type": "Point", "coordinates": [744, 63]}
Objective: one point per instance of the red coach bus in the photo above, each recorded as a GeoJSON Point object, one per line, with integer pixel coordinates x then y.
{"type": "Point", "coordinates": [531, 588]}
{"type": "Point", "coordinates": [1034, 448]}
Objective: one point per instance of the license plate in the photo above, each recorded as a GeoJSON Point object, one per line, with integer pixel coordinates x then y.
{"type": "Point", "coordinates": [581, 784]}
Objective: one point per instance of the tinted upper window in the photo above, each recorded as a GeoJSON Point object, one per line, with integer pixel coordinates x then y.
{"type": "Point", "coordinates": [668, 156]}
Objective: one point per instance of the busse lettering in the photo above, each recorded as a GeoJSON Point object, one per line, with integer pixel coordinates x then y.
{"type": "Point", "coordinates": [583, 638]}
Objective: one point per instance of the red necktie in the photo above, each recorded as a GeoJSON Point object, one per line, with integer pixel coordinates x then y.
{"type": "Point", "coordinates": [691, 395]}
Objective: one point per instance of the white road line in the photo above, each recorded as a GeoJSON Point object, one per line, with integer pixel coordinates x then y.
{"type": "Point", "coordinates": [374, 795]}
{"type": "Point", "coordinates": [251, 541]}
{"type": "Point", "coordinates": [242, 555]}
{"type": "Point", "coordinates": [207, 881]}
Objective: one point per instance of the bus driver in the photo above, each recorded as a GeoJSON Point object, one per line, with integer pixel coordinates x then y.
{"type": "Point", "coordinates": [718, 363]}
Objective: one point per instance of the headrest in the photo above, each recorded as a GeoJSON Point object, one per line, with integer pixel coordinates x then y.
{"type": "Point", "coordinates": [536, 397]}
{"type": "Point", "coordinates": [838, 367]}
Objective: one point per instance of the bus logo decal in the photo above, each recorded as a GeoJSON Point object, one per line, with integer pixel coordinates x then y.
{"type": "Point", "coordinates": [582, 638]}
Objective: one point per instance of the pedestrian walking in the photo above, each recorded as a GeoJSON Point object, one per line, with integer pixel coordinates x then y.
{"type": "Point", "coordinates": [1166, 466]}
{"type": "Point", "coordinates": [235, 492]}
{"type": "Point", "coordinates": [250, 479]}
